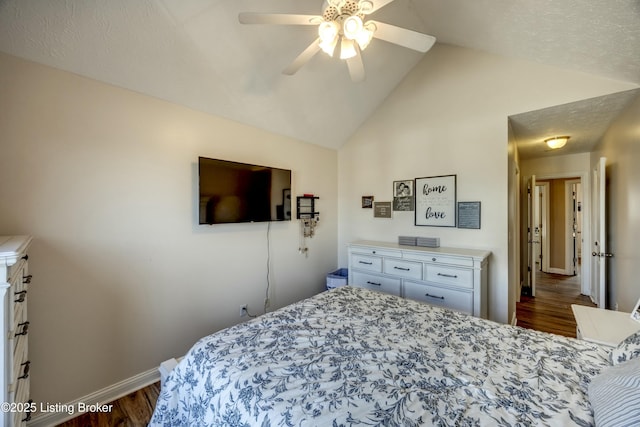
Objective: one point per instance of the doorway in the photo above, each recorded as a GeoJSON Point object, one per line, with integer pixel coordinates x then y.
{"type": "Point", "coordinates": [559, 225]}
{"type": "Point", "coordinates": [555, 230]}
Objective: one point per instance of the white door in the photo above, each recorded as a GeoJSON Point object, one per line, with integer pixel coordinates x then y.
{"type": "Point", "coordinates": [533, 233]}
{"type": "Point", "coordinates": [599, 252]}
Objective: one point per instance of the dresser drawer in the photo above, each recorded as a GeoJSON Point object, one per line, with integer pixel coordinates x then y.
{"type": "Point", "coordinates": [374, 282]}
{"type": "Point", "coordinates": [376, 252]}
{"type": "Point", "coordinates": [20, 362]}
{"type": "Point", "coordinates": [365, 262]}
{"type": "Point", "coordinates": [407, 269]}
{"type": "Point", "coordinates": [440, 259]}
{"type": "Point", "coordinates": [22, 396]}
{"type": "Point", "coordinates": [450, 298]}
{"type": "Point", "coordinates": [458, 277]}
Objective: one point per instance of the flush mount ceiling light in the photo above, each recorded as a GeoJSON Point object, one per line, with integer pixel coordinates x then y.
{"type": "Point", "coordinates": [556, 142]}
{"type": "Point", "coordinates": [343, 24]}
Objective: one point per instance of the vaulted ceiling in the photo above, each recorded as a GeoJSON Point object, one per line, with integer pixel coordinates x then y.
{"type": "Point", "coordinates": [196, 53]}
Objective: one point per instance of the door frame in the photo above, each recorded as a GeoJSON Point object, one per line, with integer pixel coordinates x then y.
{"type": "Point", "coordinates": [544, 221]}
{"type": "Point", "coordinates": [571, 246]}
{"type": "Point", "coordinates": [585, 181]}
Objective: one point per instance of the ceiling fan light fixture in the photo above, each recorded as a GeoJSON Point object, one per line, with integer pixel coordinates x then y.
{"type": "Point", "coordinates": [556, 142]}
{"type": "Point", "coordinates": [329, 47]}
{"type": "Point", "coordinates": [365, 6]}
{"type": "Point", "coordinates": [347, 49]}
{"type": "Point", "coordinates": [328, 31]}
{"type": "Point", "coordinates": [352, 27]}
{"type": "Point", "coordinates": [366, 35]}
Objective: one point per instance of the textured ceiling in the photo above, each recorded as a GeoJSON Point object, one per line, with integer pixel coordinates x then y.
{"type": "Point", "coordinates": [584, 121]}
{"type": "Point", "coordinates": [195, 53]}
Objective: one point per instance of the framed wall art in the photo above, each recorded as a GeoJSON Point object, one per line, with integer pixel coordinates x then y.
{"type": "Point", "coordinates": [469, 215]}
{"type": "Point", "coordinates": [382, 209]}
{"type": "Point", "coordinates": [403, 195]}
{"type": "Point", "coordinates": [436, 201]}
{"type": "Point", "coordinates": [367, 202]}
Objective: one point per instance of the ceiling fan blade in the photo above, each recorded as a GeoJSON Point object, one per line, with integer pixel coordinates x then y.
{"type": "Point", "coordinates": [303, 58]}
{"type": "Point", "coordinates": [356, 67]}
{"type": "Point", "coordinates": [403, 37]}
{"type": "Point", "coordinates": [278, 19]}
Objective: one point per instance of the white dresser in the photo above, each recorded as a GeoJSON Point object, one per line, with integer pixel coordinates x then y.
{"type": "Point", "coordinates": [14, 375]}
{"type": "Point", "coordinates": [449, 277]}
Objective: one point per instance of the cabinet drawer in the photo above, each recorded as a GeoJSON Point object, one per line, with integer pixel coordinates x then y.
{"type": "Point", "coordinates": [407, 269]}
{"type": "Point", "coordinates": [450, 298]}
{"type": "Point", "coordinates": [458, 277]}
{"type": "Point", "coordinates": [376, 251]}
{"type": "Point", "coordinates": [387, 285]}
{"type": "Point", "coordinates": [365, 262]}
{"type": "Point", "coordinates": [20, 361]}
{"type": "Point", "coordinates": [440, 259]}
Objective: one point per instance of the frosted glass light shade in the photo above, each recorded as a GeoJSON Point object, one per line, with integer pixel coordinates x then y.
{"type": "Point", "coordinates": [556, 142]}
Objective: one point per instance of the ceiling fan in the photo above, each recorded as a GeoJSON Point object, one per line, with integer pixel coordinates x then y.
{"type": "Point", "coordinates": [344, 22]}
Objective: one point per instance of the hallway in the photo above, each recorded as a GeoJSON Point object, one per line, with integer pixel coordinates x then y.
{"type": "Point", "coordinates": [550, 310]}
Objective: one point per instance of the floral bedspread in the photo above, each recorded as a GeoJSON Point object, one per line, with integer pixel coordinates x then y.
{"type": "Point", "coordinates": [354, 357]}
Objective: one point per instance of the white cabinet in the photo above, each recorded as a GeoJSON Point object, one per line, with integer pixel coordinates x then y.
{"type": "Point", "coordinates": [603, 326]}
{"type": "Point", "coordinates": [449, 277]}
{"type": "Point", "coordinates": [14, 357]}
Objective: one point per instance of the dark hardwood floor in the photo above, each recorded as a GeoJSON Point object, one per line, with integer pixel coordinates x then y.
{"type": "Point", "coordinates": [549, 311]}
{"type": "Point", "coordinates": [133, 410]}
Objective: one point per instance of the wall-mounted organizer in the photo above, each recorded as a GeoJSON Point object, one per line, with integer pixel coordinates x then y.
{"type": "Point", "coordinates": [308, 215]}
{"type": "Point", "coordinates": [306, 206]}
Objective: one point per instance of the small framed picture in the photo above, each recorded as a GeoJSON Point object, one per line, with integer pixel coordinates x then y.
{"type": "Point", "coordinates": [367, 202]}
{"type": "Point", "coordinates": [403, 195]}
{"type": "Point", "coordinates": [382, 209]}
{"type": "Point", "coordinates": [403, 188]}
{"type": "Point", "coordinates": [635, 313]}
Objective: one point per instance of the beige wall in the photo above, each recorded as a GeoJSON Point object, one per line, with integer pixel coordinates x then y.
{"type": "Point", "coordinates": [621, 147]}
{"type": "Point", "coordinates": [106, 181]}
{"type": "Point", "coordinates": [449, 116]}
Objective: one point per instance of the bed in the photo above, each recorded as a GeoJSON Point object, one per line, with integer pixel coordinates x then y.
{"type": "Point", "coordinates": [354, 357]}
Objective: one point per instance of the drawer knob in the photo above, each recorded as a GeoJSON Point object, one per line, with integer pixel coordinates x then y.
{"type": "Point", "coordinates": [373, 252]}
{"type": "Point", "coordinates": [453, 276]}
{"type": "Point", "coordinates": [433, 296]}
{"type": "Point", "coordinates": [25, 370]}
{"type": "Point", "coordinates": [433, 259]}
{"type": "Point", "coordinates": [25, 329]}
{"type": "Point", "coordinates": [27, 279]}
{"type": "Point", "coordinates": [21, 296]}
{"type": "Point", "coordinates": [374, 283]}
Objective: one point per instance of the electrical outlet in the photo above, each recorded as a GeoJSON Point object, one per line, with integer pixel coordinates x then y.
{"type": "Point", "coordinates": [243, 310]}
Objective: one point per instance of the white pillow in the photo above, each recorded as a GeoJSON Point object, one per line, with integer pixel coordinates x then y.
{"type": "Point", "coordinates": [614, 395]}
{"type": "Point", "coordinates": [628, 349]}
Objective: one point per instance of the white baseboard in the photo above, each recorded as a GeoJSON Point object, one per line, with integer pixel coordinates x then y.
{"type": "Point", "coordinates": [561, 271]}
{"type": "Point", "coordinates": [106, 395]}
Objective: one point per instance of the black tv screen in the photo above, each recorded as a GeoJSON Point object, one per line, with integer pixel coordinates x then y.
{"type": "Point", "coordinates": [240, 192]}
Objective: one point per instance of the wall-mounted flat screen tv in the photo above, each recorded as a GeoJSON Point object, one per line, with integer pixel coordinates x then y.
{"type": "Point", "coordinates": [240, 192]}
